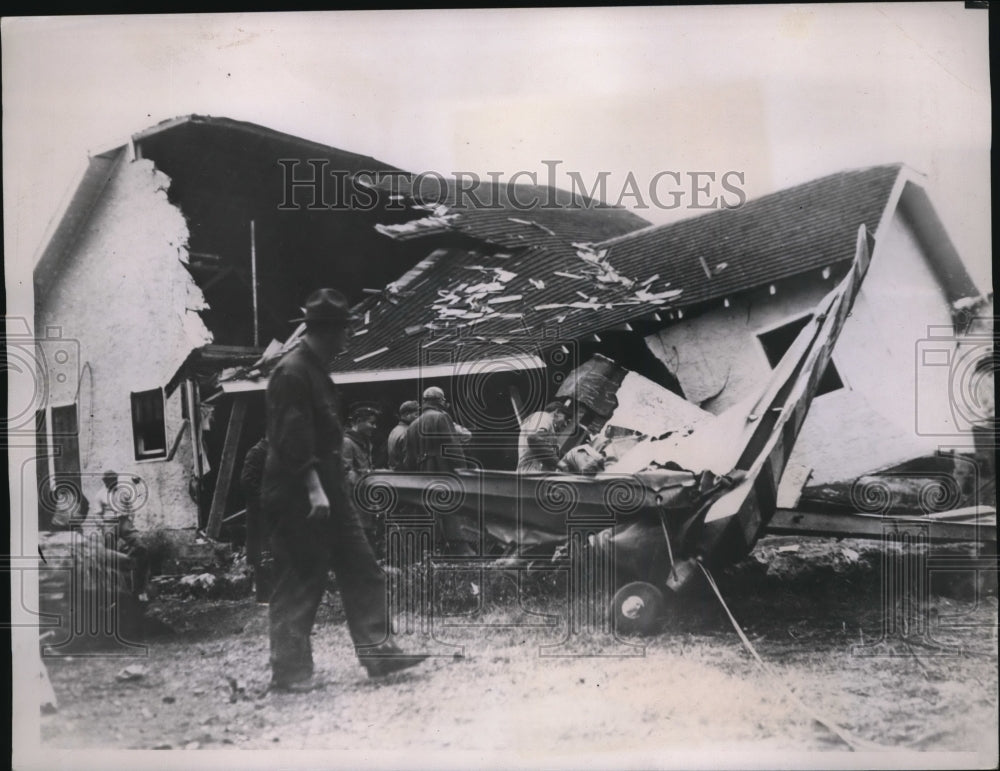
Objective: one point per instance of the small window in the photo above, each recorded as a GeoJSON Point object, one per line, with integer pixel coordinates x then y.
{"type": "Point", "coordinates": [66, 440]}
{"type": "Point", "coordinates": [777, 342]}
{"type": "Point", "coordinates": [149, 432]}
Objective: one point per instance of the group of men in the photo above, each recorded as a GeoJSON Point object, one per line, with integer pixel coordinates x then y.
{"type": "Point", "coordinates": [426, 439]}
{"type": "Point", "coordinates": [308, 466]}
{"type": "Point", "coordinates": [424, 430]}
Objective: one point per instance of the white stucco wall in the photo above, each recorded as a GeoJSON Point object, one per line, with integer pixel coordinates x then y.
{"type": "Point", "coordinates": [125, 296]}
{"type": "Point", "coordinates": [871, 422]}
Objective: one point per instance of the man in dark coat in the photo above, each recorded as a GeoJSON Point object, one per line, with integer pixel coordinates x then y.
{"type": "Point", "coordinates": [314, 525]}
{"type": "Point", "coordinates": [433, 441]}
{"type": "Point", "coordinates": [434, 444]}
{"type": "Point", "coordinates": [396, 444]}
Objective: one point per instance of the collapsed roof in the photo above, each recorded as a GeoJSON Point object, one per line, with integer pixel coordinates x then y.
{"type": "Point", "coordinates": [299, 208]}
{"type": "Point", "coordinates": [451, 274]}
{"type": "Point", "coordinates": [540, 285]}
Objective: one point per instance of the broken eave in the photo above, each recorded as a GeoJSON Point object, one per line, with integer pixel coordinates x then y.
{"type": "Point", "coordinates": [211, 360]}
{"type": "Point", "coordinates": [471, 367]}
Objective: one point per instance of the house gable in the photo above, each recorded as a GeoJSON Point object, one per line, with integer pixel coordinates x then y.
{"type": "Point", "coordinates": [119, 291]}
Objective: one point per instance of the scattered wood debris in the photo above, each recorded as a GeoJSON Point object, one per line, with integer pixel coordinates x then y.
{"type": "Point", "coordinates": [383, 349]}
{"type": "Point", "coordinates": [440, 217]}
{"type": "Point", "coordinates": [469, 303]}
{"type": "Point", "coordinates": [532, 223]}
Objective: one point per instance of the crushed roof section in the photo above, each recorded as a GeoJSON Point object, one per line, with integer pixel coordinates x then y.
{"type": "Point", "coordinates": [545, 289]}
{"type": "Point", "coordinates": [511, 216]}
{"type": "Point", "coordinates": [575, 289]}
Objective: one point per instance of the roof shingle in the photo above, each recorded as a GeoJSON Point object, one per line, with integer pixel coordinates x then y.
{"type": "Point", "coordinates": [543, 284]}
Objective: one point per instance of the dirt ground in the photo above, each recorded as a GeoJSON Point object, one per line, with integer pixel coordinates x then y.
{"type": "Point", "coordinates": [503, 685]}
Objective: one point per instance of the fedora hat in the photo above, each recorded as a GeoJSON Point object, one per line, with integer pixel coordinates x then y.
{"type": "Point", "coordinates": [328, 306]}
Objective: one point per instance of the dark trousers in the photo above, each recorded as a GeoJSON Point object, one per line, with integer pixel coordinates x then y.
{"type": "Point", "coordinates": [254, 545]}
{"type": "Point", "coordinates": [303, 552]}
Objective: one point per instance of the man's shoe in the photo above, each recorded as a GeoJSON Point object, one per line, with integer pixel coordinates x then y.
{"type": "Point", "coordinates": [388, 659]}
{"type": "Point", "coordinates": [312, 683]}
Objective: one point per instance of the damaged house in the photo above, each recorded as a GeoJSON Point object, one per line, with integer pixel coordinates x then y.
{"type": "Point", "coordinates": [909, 392]}
{"type": "Point", "coordinates": [179, 257]}
{"type": "Point", "coordinates": [681, 321]}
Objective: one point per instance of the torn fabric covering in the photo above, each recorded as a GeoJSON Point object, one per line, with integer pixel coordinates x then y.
{"type": "Point", "coordinates": [702, 372]}
{"type": "Point", "coordinates": [527, 509]}
{"type": "Point", "coordinates": [719, 445]}
{"type": "Point", "coordinates": [651, 409]}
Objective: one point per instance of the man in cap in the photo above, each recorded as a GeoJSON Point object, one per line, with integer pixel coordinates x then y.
{"type": "Point", "coordinates": [314, 525]}
{"type": "Point", "coordinates": [358, 460]}
{"type": "Point", "coordinates": [396, 444]}
{"type": "Point", "coordinates": [357, 453]}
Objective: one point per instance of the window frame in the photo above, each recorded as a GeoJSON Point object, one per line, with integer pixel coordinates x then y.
{"type": "Point", "coordinates": [788, 321]}
{"type": "Point", "coordinates": [138, 421]}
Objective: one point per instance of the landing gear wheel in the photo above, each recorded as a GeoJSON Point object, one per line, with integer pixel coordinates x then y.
{"type": "Point", "coordinates": [637, 608]}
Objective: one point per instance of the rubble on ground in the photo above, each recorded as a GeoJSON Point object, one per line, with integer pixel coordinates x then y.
{"type": "Point", "coordinates": [232, 579]}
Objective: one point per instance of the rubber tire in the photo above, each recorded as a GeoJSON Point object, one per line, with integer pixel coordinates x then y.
{"type": "Point", "coordinates": [637, 609]}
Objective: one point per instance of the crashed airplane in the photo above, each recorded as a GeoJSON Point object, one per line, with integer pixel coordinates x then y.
{"type": "Point", "coordinates": [697, 494]}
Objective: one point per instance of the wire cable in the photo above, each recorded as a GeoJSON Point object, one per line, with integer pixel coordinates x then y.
{"type": "Point", "coordinates": [856, 743]}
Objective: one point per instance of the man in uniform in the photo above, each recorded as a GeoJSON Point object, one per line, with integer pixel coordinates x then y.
{"type": "Point", "coordinates": [358, 461]}
{"type": "Point", "coordinates": [433, 441]}
{"type": "Point", "coordinates": [314, 526]}
{"type": "Point", "coordinates": [396, 444]}
{"type": "Point", "coordinates": [358, 443]}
